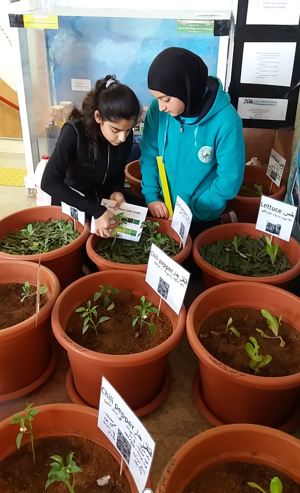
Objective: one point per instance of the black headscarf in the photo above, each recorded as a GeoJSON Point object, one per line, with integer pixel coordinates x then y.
{"type": "Point", "coordinates": [182, 74]}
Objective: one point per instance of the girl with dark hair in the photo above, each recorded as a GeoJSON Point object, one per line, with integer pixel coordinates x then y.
{"type": "Point", "coordinates": [89, 159]}
{"type": "Point", "coordinates": [198, 133]}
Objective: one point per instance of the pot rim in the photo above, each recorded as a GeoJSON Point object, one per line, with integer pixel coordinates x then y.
{"type": "Point", "coordinates": [135, 180]}
{"type": "Point", "coordinates": [204, 356]}
{"type": "Point", "coordinates": [56, 213]}
{"type": "Point", "coordinates": [108, 264]}
{"type": "Point", "coordinates": [226, 276]}
{"type": "Point", "coordinates": [113, 360]}
{"type": "Point", "coordinates": [33, 321]}
{"type": "Point", "coordinates": [228, 431]}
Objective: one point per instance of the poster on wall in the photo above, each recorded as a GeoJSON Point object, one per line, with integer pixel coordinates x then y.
{"type": "Point", "coordinates": [293, 191]}
{"type": "Point", "coordinates": [88, 48]}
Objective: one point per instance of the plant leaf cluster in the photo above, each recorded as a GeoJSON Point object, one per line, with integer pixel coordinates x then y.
{"type": "Point", "coordinates": [130, 252]}
{"type": "Point", "coordinates": [26, 291]}
{"type": "Point", "coordinates": [25, 424]}
{"type": "Point", "coordinates": [245, 256]}
{"type": "Point", "coordinates": [257, 361]}
{"type": "Point", "coordinates": [62, 473]}
{"type": "Point", "coordinates": [275, 486]}
{"type": "Point", "coordinates": [89, 313]}
{"type": "Point", "coordinates": [39, 237]}
{"type": "Point", "coordinates": [144, 309]}
{"type": "Point", "coordinates": [106, 291]}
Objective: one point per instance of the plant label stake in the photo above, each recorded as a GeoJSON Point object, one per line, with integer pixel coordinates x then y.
{"type": "Point", "coordinates": [275, 168]}
{"type": "Point", "coordinates": [130, 224]}
{"type": "Point", "coordinates": [276, 218]}
{"type": "Point", "coordinates": [164, 184]}
{"type": "Point", "coordinates": [167, 278]}
{"type": "Point", "coordinates": [182, 219]}
{"type": "Point", "coordinates": [126, 432]}
{"type": "Point", "coordinates": [159, 306]}
{"type": "Point", "coordinates": [38, 291]}
{"type": "Point", "coordinates": [73, 212]}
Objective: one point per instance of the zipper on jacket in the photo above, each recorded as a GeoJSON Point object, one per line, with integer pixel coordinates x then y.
{"type": "Point", "coordinates": [108, 163]}
{"type": "Point", "coordinates": [181, 128]}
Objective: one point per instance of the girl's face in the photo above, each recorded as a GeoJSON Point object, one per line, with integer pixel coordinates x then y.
{"type": "Point", "coordinates": [169, 104]}
{"type": "Point", "coordinates": [115, 132]}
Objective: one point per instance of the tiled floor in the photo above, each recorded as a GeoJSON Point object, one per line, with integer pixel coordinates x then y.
{"type": "Point", "coordinates": [177, 419]}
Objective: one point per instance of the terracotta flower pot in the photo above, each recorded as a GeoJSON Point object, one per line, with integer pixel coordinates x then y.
{"type": "Point", "coordinates": [25, 351]}
{"type": "Point", "coordinates": [66, 262]}
{"type": "Point", "coordinates": [139, 378]}
{"type": "Point", "coordinates": [62, 420]}
{"type": "Point", "coordinates": [134, 176]}
{"type": "Point", "coordinates": [213, 276]}
{"type": "Point", "coordinates": [104, 264]}
{"type": "Point", "coordinates": [242, 442]}
{"type": "Point", "coordinates": [226, 395]}
{"type": "Point", "coordinates": [247, 208]}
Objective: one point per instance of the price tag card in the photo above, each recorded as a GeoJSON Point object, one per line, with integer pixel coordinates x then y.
{"type": "Point", "coordinates": [276, 218]}
{"type": "Point", "coordinates": [126, 432]}
{"type": "Point", "coordinates": [167, 278]}
{"type": "Point", "coordinates": [275, 167]}
{"type": "Point", "coordinates": [130, 223]}
{"type": "Point", "coordinates": [182, 219]}
{"type": "Point", "coordinates": [73, 212]}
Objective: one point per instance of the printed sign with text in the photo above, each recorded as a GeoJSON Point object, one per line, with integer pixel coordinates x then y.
{"type": "Point", "coordinates": [125, 431]}
{"type": "Point", "coordinates": [275, 167]}
{"type": "Point", "coordinates": [167, 278]}
{"type": "Point", "coordinates": [276, 218]}
{"type": "Point", "coordinates": [182, 219]}
{"type": "Point", "coordinates": [73, 212]}
{"type": "Point", "coordinates": [130, 223]}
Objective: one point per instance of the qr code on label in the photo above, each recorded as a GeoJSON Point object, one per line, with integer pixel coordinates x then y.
{"type": "Point", "coordinates": [273, 175]}
{"type": "Point", "coordinates": [123, 446]}
{"type": "Point", "coordinates": [74, 212]}
{"type": "Point", "coordinates": [163, 288]}
{"type": "Point", "coordinates": [181, 230]}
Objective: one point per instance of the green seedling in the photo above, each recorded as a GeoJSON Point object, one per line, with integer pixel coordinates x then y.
{"type": "Point", "coordinates": [154, 236]}
{"type": "Point", "coordinates": [235, 243]}
{"type": "Point", "coordinates": [89, 314]}
{"type": "Point", "coordinates": [271, 250]}
{"type": "Point", "coordinates": [229, 329]}
{"type": "Point", "coordinates": [275, 486]}
{"type": "Point", "coordinates": [26, 291]}
{"type": "Point", "coordinates": [144, 308]}
{"type": "Point", "coordinates": [119, 219]}
{"type": "Point", "coordinates": [62, 473]}
{"type": "Point", "coordinates": [259, 189]}
{"type": "Point", "coordinates": [106, 291]}
{"type": "Point", "coordinates": [257, 362]}
{"type": "Point", "coordinates": [273, 324]}
{"type": "Point", "coordinates": [25, 426]}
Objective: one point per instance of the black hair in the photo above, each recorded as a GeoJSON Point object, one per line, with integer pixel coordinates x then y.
{"type": "Point", "coordinates": [113, 100]}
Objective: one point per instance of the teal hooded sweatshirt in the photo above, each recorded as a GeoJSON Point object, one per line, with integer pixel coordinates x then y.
{"type": "Point", "coordinates": [204, 161]}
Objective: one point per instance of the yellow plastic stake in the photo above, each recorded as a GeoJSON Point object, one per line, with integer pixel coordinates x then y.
{"type": "Point", "coordinates": [165, 186]}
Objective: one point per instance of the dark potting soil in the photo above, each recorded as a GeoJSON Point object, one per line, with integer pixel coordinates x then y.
{"type": "Point", "coordinates": [19, 475]}
{"type": "Point", "coordinates": [248, 189]}
{"type": "Point", "coordinates": [117, 336]}
{"type": "Point", "coordinates": [230, 350]}
{"type": "Point", "coordinates": [13, 311]}
{"type": "Point", "coordinates": [232, 477]}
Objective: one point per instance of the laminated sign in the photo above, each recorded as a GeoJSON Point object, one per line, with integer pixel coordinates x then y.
{"type": "Point", "coordinates": [126, 432]}
{"type": "Point", "coordinates": [73, 212]}
{"type": "Point", "coordinates": [182, 219]}
{"type": "Point", "coordinates": [276, 218]}
{"type": "Point", "coordinates": [275, 167]}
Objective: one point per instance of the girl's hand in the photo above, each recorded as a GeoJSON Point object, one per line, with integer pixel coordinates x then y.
{"type": "Point", "coordinates": [158, 209]}
{"type": "Point", "coordinates": [119, 197]}
{"type": "Point", "coordinates": [103, 225]}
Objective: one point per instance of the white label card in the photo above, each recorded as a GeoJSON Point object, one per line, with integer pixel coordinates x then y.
{"type": "Point", "coordinates": [262, 108]}
{"type": "Point", "coordinates": [83, 85]}
{"type": "Point", "coordinates": [167, 278]}
{"type": "Point", "coordinates": [126, 432]}
{"type": "Point", "coordinates": [130, 228]}
{"type": "Point", "coordinates": [276, 218]}
{"type": "Point", "coordinates": [275, 167]}
{"type": "Point", "coordinates": [73, 212]}
{"type": "Point", "coordinates": [182, 218]}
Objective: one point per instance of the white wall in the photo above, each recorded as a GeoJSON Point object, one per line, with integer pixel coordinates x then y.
{"type": "Point", "coordinates": [7, 69]}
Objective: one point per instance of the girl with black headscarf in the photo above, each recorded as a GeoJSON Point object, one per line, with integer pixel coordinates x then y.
{"type": "Point", "coordinates": [198, 133]}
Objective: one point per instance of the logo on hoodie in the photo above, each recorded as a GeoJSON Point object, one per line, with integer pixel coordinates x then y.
{"type": "Point", "coordinates": [205, 154]}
